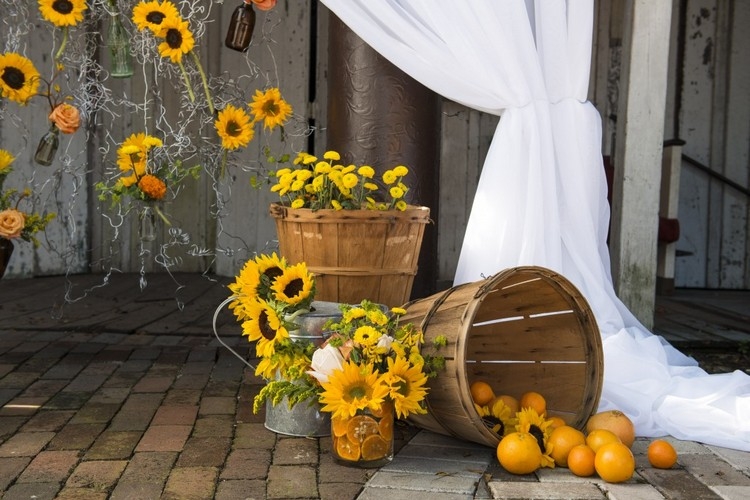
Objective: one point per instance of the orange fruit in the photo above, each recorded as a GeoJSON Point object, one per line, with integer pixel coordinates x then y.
{"type": "Point", "coordinates": [556, 421]}
{"type": "Point", "coordinates": [535, 401]}
{"type": "Point", "coordinates": [561, 441]}
{"type": "Point", "coordinates": [360, 427]}
{"type": "Point", "coordinates": [375, 447]}
{"type": "Point", "coordinates": [599, 437]}
{"type": "Point", "coordinates": [661, 454]}
{"type": "Point", "coordinates": [346, 449]}
{"type": "Point", "coordinates": [482, 393]}
{"type": "Point", "coordinates": [615, 421]}
{"type": "Point", "coordinates": [581, 460]}
{"type": "Point", "coordinates": [339, 425]}
{"type": "Point", "coordinates": [510, 402]}
{"type": "Point", "coordinates": [519, 453]}
{"type": "Point", "coordinates": [385, 426]}
{"type": "Point", "coordinates": [614, 462]}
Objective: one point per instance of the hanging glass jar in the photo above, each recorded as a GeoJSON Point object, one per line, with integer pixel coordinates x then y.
{"type": "Point", "coordinates": [241, 27]}
{"type": "Point", "coordinates": [147, 221]}
{"type": "Point", "coordinates": [47, 148]}
{"type": "Point", "coordinates": [364, 440]}
{"type": "Point", "coordinates": [119, 48]}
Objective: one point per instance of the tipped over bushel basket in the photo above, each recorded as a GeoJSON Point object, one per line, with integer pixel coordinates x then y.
{"type": "Point", "coordinates": [354, 254]}
{"type": "Point", "coordinates": [523, 329]}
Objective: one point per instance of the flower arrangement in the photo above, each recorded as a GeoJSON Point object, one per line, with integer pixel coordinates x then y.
{"type": "Point", "coordinates": [326, 184]}
{"type": "Point", "coordinates": [15, 223]}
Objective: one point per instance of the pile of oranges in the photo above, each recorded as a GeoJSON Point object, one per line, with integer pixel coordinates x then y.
{"type": "Point", "coordinates": [602, 448]}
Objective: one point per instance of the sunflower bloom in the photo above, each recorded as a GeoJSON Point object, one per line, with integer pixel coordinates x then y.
{"type": "Point", "coordinates": [528, 420]}
{"type": "Point", "coordinates": [178, 39]}
{"type": "Point", "coordinates": [270, 108]}
{"type": "Point", "coordinates": [406, 384]}
{"type": "Point", "coordinates": [19, 79]}
{"type": "Point", "coordinates": [152, 186]}
{"type": "Point", "coordinates": [497, 416]}
{"type": "Point", "coordinates": [234, 127]}
{"type": "Point", "coordinates": [353, 388]}
{"type": "Point", "coordinates": [294, 286]}
{"type": "Point", "coordinates": [150, 15]}
{"type": "Point", "coordinates": [265, 327]}
{"type": "Point", "coordinates": [62, 13]}
{"type": "Point", "coordinates": [5, 160]}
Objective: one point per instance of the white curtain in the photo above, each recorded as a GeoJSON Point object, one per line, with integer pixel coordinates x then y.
{"type": "Point", "coordinates": [541, 198]}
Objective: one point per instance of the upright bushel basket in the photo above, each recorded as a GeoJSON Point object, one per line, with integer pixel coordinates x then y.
{"type": "Point", "coordinates": [523, 329]}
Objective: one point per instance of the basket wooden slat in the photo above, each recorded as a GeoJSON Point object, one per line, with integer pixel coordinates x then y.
{"type": "Point", "coordinates": [355, 254]}
{"type": "Point", "coordinates": [524, 329]}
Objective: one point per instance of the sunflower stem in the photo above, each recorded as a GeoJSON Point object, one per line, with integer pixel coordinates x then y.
{"type": "Point", "coordinates": [223, 164]}
{"type": "Point", "coordinates": [187, 82]}
{"type": "Point", "coordinates": [205, 82]}
{"type": "Point", "coordinates": [161, 215]}
{"type": "Point", "coordinates": [64, 42]}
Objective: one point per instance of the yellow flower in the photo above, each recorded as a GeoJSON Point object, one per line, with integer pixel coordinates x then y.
{"type": "Point", "coordinates": [407, 386]}
{"type": "Point", "coordinates": [295, 285]}
{"type": "Point", "coordinates": [350, 180]}
{"type": "Point", "coordinates": [399, 311]}
{"type": "Point", "coordinates": [265, 327]}
{"type": "Point", "coordinates": [353, 388]}
{"type": "Point", "coordinates": [401, 205]}
{"type": "Point", "coordinates": [269, 107]}
{"type": "Point", "coordinates": [389, 177]}
{"type": "Point", "coordinates": [19, 79]}
{"type": "Point", "coordinates": [497, 416]}
{"type": "Point", "coordinates": [152, 186]}
{"type": "Point", "coordinates": [178, 39]}
{"type": "Point", "coordinates": [5, 160]}
{"type": "Point", "coordinates": [366, 335]}
{"type": "Point", "coordinates": [396, 192]}
{"type": "Point", "coordinates": [234, 128]}
{"type": "Point", "coordinates": [400, 170]}
{"type": "Point", "coordinates": [528, 420]}
{"type": "Point", "coordinates": [298, 203]}
{"type": "Point", "coordinates": [336, 205]}
{"type": "Point", "coordinates": [366, 171]}
{"type": "Point", "coordinates": [151, 14]}
{"type": "Point", "coordinates": [62, 12]}
{"type": "Point", "coordinates": [332, 155]}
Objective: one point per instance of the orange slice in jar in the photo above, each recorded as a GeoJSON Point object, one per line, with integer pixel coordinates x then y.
{"type": "Point", "coordinates": [360, 427]}
{"type": "Point", "coordinates": [375, 447]}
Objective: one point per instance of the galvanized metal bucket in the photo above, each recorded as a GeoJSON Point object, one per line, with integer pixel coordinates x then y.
{"type": "Point", "coordinates": [305, 418]}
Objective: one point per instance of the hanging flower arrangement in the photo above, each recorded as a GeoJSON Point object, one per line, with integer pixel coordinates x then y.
{"type": "Point", "coordinates": [19, 78]}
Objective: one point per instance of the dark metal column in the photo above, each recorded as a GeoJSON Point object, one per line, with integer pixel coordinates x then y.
{"type": "Point", "coordinates": [378, 115]}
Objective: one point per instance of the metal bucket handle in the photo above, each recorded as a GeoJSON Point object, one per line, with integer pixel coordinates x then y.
{"type": "Point", "coordinates": [216, 334]}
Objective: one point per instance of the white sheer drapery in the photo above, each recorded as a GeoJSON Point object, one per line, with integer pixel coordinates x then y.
{"type": "Point", "coordinates": [541, 198]}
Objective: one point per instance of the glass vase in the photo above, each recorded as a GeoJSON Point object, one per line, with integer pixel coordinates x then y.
{"type": "Point", "coordinates": [119, 49]}
{"type": "Point", "coordinates": [364, 440]}
{"type": "Point", "coordinates": [47, 148]}
{"type": "Point", "coordinates": [147, 230]}
{"type": "Point", "coordinates": [6, 250]}
{"type": "Point", "coordinates": [241, 26]}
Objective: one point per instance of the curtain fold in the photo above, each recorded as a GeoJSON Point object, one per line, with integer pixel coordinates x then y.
{"type": "Point", "coordinates": [541, 198]}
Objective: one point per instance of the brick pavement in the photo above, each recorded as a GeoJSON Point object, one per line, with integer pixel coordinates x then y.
{"type": "Point", "coordinates": [125, 416]}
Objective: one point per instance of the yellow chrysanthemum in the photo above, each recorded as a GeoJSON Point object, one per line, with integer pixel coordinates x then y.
{"type": "Point", "coordinates": [234, 127]}
{"type": "Point", "coordinates": [19, 79]}
{"type": "Point", "coordinates": [5, 160]}
{"type": "Point", "coordinates": [132, 156]}
{"type": "Point", "coordinates": [407, 386]}
{"type": "Point", "coordinates": [400, 170]}
{"type": "Point", "coordinates": [152, 186]}
{"type": "Point", "coordinates": [270, 108]}
{"type": "Point", "coordinates": [295, 284]}
{"type": "Point", "coordinates": [178, 39]}
{"type": "Point", "coordinates": [528, 420]}
{"type": "Point", "coordinates": [353, 388]}
{"type": "Point", "coordinates": [265, 327]}
{"type": "Point", "coordinates": [62, 12]}
{"type": "Point", "coordinates": [366, 336]}
{"type": "Point", "coordinates": [366, 171]}
{"type": "Point", "coordinates": [152, 14]}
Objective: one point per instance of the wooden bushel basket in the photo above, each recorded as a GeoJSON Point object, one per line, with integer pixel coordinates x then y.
{"type": "Point", "coordinates": [354, 254]}
{"type": "Point", "coordinates": [523, 329]}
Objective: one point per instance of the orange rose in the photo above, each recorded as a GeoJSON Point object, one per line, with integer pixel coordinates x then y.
{"type": "Point", "coordinates": [66, 117]}
{"type": "Point", "coordinates": [265, 4]}
{"type": "Point", "coordinates": [11, 223]}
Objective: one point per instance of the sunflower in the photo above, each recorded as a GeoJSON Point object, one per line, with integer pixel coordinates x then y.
{"type": "Point", "coordinates": [498, 417]}
{"type": "Point", "coordinates": [353, 388]}
{"type": "Point", "coordinates": [270, 107]}
{"type": "Point", "coordinates": [62, 12]}
{"type": "Point", "coordinates": [407, 386]}
{"type": "Point", "coordinates": [151, 14]}
{"type": "Point", "coordinates": [234, 127]}
{"type": "Point", "coordinates": [5, 160]}
{"type": "Point", "coordinates": [178, 39]}
{"type": "Point", "coordinates": [265, 326]}
{"type": "Point", "coordinates": [270, 267]}
{"type": "Point", "coordinates": [19, 79]}
{"type": "Point", "coordinates": [245, 288]}
{"type": "Point", "coordinates": [152, 186]}
{"type": "Point", "coordinates": [294, 285]}
{"type": "Point", "coordinates": [528, 420]}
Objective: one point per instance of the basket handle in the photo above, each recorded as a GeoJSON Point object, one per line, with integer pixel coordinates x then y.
{"type": "Point", "coordinates": [216, 334]}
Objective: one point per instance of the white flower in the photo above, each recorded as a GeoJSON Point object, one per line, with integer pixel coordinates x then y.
{"type": "Point", "coordinates": [324, 362]}
{"type": "Point", "coordinates": [385, 342]}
